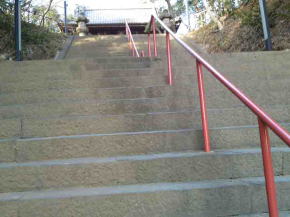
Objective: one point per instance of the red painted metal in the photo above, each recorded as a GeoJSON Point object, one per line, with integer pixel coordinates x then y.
{"type": "Point", "coordinates": [268, 169]}
{"type": "Point", "coordinates": [265, 121]}
{"type": "Point", "coordinates": [153, 24]}
{"type": "Point", "coordinates": [149, 45]}
{"type": "Point", "coordinates": [273, 125]}
{"type": "Point", "coordinates": [203, 109]}
{"type": "Point", "coordinates": [131, 41]}
{"type": "Point", "coordinates": [169, 59]}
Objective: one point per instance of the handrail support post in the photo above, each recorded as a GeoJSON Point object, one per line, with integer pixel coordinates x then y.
{"type": "Point", "coordinates": [203, 108]}
{"type": "Point", "coordinates": [169, 59]}
{"type": "Point", "coordinates": [149, 45]}
{"type": "Point", "coordinates": [268, 170]}
{"type": "Point", "coordinates": [154, 36]}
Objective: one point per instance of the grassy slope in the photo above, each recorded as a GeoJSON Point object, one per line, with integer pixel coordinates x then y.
{"type": "Point", "coordinates": [243, 31]}
{"type": "Point", "coordinates": [38, 43]}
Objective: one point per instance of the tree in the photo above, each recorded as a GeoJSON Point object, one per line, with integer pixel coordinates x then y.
{"type": "Point", "coordinates": [170, 8]}
{"type": "Point", "coordinates": [46, 12]}
{"type": "Point", "coordinates": [212, 14]}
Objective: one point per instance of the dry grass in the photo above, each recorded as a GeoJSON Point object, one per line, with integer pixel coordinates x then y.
{"type": "Point", "coordinates": [38, 42]}
{"type": "Point", "coordinates": [238, 36]}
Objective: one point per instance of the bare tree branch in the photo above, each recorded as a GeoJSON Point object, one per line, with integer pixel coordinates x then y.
{"type": "Point", "coordinates": [46, 12]}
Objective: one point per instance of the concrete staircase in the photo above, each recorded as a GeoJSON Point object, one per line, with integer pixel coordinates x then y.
{"type": "Point", "coordinates": [102, 134]}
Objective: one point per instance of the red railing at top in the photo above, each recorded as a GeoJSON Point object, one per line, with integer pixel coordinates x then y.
{"type": "Point", "coordinates": [264, 120]}
{"type": "Point", "coordinates": [132, 45]}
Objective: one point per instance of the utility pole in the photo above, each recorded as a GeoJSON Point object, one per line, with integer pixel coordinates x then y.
{"type": "Point", "coordinates": [65, 17]}
{"type": "Point", "coordinates": [187, 13]}
{"type": "Point", "coordinates": [265, 22]}
{"type": "Point", "coordinates": [17, 30]}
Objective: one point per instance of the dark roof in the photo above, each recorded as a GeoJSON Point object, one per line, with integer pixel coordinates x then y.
{"type": "Point", "coordinates": [118, 16]}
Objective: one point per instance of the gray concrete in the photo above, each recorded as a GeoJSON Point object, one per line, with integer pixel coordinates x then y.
{"type": "Point", "coordinates": [102, 134]}
{"type": "Point", "coordinates": [160, 199]}
{"type": "Point", "coordinates": [124, 170]}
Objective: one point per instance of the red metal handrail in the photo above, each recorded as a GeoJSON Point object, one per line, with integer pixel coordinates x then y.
{"type": "Point", "coordinates": [264, 120]}
{"type": "Point", "coordinates": [132, 45]}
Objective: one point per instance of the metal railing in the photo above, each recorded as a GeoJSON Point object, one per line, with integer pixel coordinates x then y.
{"type": "Point", "coordinates": [264, 120]}
{"type": "Point", "coordinates": [132, 46]}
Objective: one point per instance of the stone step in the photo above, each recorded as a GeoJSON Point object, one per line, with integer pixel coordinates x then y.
{"type": "Point", "coordinates": [281, 214]}
{"type": "Point", "coordinates": [236, 116]}
{"type": "Point", "coordinates": [131, 143]}
{"type": "Point", "coordinates": [98, 145]}
{"type": "Point", "coordinates": [94, 107]}
{"type": "Point", "coordinates": [91, 124]}
{"type": "Point", "coordinates": [79, 72]}
{"type": "Point", "coordinates": [75, 125]}
{"type": "Point", "coordinates": [78, 94]}
{"type": "Point", "coordinates": [139, 169]}
{"type": "Point", "coordinates": [192, 199]}
{"type": "Point", "coordinates": [220, 98]}
{"type": "Point", "coordinates": [52, 66]}
{"type": "Point", "coordinates": [86, 72]}
{"type": "Point", "coordinates": [252, 87]}
{"type": "Point", "coordinates": [141, 81]}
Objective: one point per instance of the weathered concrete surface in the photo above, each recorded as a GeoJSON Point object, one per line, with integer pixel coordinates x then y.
{"type": "Point", "coordinates": [106, 124]}
{"type": "Point", "coordinates": [282, 214]}
{"type": "Point", "coordinates": [105, 145]}
{"type": "Point", "coordinates": [7, 151]}
{"type": "Point", "coordinates": [80, 94]}
{"type": "Point", "coordinates": [91, 95]}
{"type": "Point", "coordinates": [95, 107]}
{"type": "Point", "coordinates": [10, 128]}
{"type": "Point", "coordinates": [167, 167]}
{"type": "Point", "coordinates": [207, 199]}
{"type": "Point", "coordinates": [231, 116]}
{"type": "Point", "coordinates": [96, 145]}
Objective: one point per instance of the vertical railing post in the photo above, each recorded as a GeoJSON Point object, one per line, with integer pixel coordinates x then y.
{"type": "Point", "coordinates": [65, 17]}
{"type": "Point", "coordinates": [133, 50]}
{"type": "Point", "coordinates": [169, 59]}
{"type": "Point", "coordinates": [268, 170]}
{"type": "Point", "coordinates": [142, 53]}
{"type": "Point", "coordinates": [149, 45]}
{"type": "Point", "coordinates": [18, 32]}
{"type": "Point", "coordinates": [154, 36]}
{"type": "Point", "coordinates": [203, 108]}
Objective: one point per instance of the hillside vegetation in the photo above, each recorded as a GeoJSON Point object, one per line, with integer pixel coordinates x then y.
{"type": "Point", "coordinates": [37, 41]}
{"type": "Point", "coordinates": [243, 29]}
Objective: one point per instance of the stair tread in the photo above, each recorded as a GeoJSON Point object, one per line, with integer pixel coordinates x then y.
{"type": "Point", "coordinates": [132, 158]}
{"type": "Point", "coordinates": [135, 189]}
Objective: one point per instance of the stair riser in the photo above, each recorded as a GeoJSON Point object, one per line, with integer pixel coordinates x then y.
{"type": "Point", "coordinates": [94, 108]}
{"type": "Point", "coordinates": [72, 84]}
{"type": "Point", "coordinates": [94, 124]}
{"type": "Point", "coordinates": [97, 146]}
{"type": "Point", "coordinates": [221, 99]}
{"type": "Point", "coordinates": [81, 94]}
{"type": "Point", "coordinates": [181, 169]}
{"type": "Point", "coordinates": [264, 86]}
{"type": "Point", "coordinates": [79, 71]}
{"type": "Point", "coordinates": [203, 202]}
{"type": "Point", "coordinates": [61, 67]}
{"type": "Point", "coordinates": [216, 117]}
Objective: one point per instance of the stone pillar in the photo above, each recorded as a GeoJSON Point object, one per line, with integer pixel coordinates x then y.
{"type": "Point", "coordinates": [168, 20]}
{"type": "Point", "coordinates": [82, 28]}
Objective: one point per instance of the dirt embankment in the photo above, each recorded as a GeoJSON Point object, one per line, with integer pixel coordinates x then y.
{"type": "Point", "coordinates": [38, 42]}
{"type": "Point", "coordinates": [243, 29]}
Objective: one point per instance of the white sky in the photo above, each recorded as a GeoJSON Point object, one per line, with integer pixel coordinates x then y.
{"type": "Point", "coordinates": [96, 4]}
